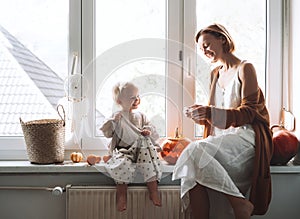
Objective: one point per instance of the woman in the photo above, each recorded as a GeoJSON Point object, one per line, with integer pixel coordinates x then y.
{"type": "Point", "coordinates": [237, 146]}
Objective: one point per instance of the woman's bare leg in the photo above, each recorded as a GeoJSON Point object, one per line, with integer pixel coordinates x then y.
{"type": "Point", "coordinates": [242, 207]}
{"type": "Point", "coordinates": [121, 197]}
{"type": "Point", "coordinates": [153, 193]}
{"type": "Point", "coordinates": [199, 202]}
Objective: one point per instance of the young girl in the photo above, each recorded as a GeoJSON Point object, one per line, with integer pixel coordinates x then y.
{"type": "Point", "coordinates": [132, 146]}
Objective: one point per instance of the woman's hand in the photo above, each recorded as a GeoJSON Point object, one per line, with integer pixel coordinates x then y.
{"type": "Point", "coordinates": [198, 112]}
{"type": "Point", "coordinates": [189, 109]}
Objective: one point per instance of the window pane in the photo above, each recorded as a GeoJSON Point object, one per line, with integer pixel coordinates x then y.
{"type": "Point", "coordinates": [246, 22]}
{"type": "Point", "coordinates": [124, 47]}
{"type": "Point", "coordinates": [33, 60]}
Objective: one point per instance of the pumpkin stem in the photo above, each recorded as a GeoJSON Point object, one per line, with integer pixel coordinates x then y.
{"type": "Point", "coordinates": [176, 133]}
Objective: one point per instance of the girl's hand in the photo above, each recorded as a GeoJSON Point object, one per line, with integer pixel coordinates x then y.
{"type": "Point", "coordinates": [145, 132]}
{"type": "Point", "coordinates": [158, 149]}
{"type": "Point", "coordinates": [117, 117]}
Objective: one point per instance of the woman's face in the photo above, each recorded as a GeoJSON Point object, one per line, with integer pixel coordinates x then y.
{"type": "Point", "coordinates": [211, 46]}
{"type": "Point", "coordinates": [129, 99]}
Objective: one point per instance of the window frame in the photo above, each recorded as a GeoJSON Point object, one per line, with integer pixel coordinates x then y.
{"type": "Point", "coordinates": [81, 41]}
{"type": "Point", "coordinates": [14, 147]}
{"type": "Point", "coordinates": [274, 56]}
{"type": "Point", "coordinates": [276, 66]}
{"type": "Point", "coordinates": [90, 144]}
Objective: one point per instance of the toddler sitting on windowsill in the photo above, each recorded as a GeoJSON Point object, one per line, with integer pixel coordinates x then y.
{"type": "Point", "coordinates": [132, 146]}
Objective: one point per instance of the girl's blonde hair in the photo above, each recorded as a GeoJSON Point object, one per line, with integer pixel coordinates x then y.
{"type": "Point", "coordinates": [119, 88]}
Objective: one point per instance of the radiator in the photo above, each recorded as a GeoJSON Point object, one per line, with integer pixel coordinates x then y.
{"type": "Point", "coordinates": [88, 202]}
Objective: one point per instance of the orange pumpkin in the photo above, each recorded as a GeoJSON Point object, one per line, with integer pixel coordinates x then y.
{"type": "Point", "coordinates": [286, 146]}
{"type": "Point", "coordinates": [76, 157]}
{"type": "Point", "coordinates": [172, 147]}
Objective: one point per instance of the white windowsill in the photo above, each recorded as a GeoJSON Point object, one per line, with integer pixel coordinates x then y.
{"type": "Point", "coordinates": [83, 167]}
{"type": "Point", "coordinates": [66, 167]}
{"type": "Point", "coordinates": [289, 168]}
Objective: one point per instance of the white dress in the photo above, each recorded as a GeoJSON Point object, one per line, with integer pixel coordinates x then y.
{"type": "Point", "coordinates": [222, 162]}
{"type": "Point", "coordinates": [134, 157]}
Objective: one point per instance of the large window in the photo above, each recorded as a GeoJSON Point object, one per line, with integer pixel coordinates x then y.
{"type": "Point", "coordinates": [149, 42]}
{"type": "Point", "coordinates": [135, 45]}
{"type": "Point", "coordinates": [123, 51]}
{"type": "Point", "coordinates": [135, 29]}
{"type": "Point", "coordinates": [246, 22]}
{"type": "Point", "coordinates": [33, 65]}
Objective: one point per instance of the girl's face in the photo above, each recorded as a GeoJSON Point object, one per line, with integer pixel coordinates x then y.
{"type": "Point", "coordinates": [211, 46]}
{"type": "Point", "coordinates": [129, 99]}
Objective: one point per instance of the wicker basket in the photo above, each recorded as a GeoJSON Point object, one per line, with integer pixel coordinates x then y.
{"type": "Point", "coordinates": [45, 139]}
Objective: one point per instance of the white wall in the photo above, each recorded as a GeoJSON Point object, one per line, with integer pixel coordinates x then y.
{"type": "Point", "coordinates": [31, 204]}
{"type": "Point", "coordinates": [41, 204]}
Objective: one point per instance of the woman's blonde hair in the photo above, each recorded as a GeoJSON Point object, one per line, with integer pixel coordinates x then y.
{"type": "Point", "coordinates": [219, 31]}
{"type": "Point", "coordinates": [121, 87]}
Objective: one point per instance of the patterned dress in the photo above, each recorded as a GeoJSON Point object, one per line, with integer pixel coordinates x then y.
{"type": "Point", "coordinates": [134, 157]}
{"type": "Point", "coordinates": [222, 162]}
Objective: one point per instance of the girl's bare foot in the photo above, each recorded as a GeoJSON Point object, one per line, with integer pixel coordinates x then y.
{"type": "Point", "coordinates": [153, 193]}
{"type": "Point", "coordinates": [121, 197]}
{"type": "Point", "coordinates": [93, 159]}
{"type": "Point", "coordinates": [106, 158]}
{"type": "Point", "coordinates": [155, 198]}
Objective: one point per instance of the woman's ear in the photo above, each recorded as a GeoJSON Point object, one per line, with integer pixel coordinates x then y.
{"type": "Point", "coordinates": [224, 41]}
{"type": "Point", "coordinates": [225, 44]}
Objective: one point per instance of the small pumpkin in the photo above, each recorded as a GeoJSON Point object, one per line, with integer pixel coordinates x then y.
{"type": "Point", "coordinates": [76, 157]}
{"type": "Point", "coordinates": [172, 147]}
{"type": "Point", "coordinates": [286, 146]}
